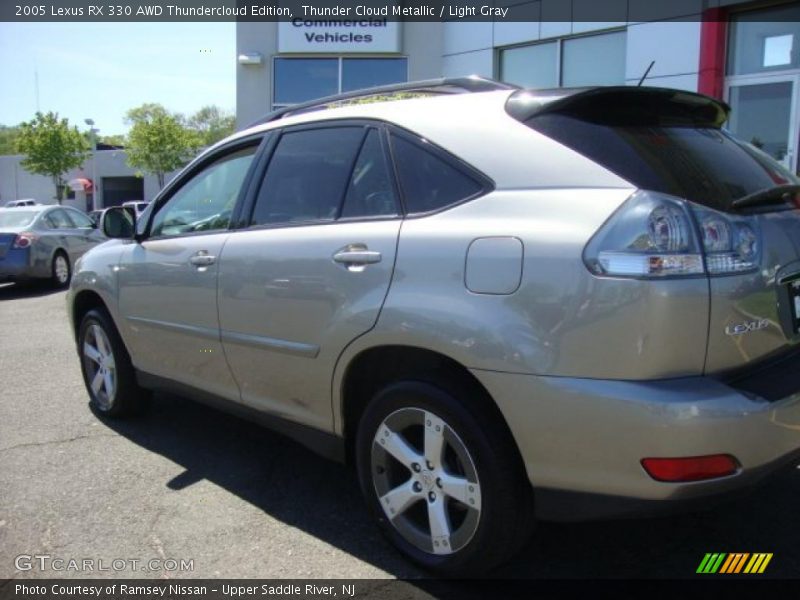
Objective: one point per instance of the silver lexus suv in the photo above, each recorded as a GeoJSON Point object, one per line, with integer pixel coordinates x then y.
{"type": "Point", "coordinates": [499, 304]}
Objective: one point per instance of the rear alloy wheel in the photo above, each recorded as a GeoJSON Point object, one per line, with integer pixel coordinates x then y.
{"type": "Point", "coordinates": [432, 497]}
{"type": "Point", "coordinates": [61, 272]}
{"type": "Point", "coordinates": [106, 366]}
{"type": "Point", "coordinates": [443, 477]}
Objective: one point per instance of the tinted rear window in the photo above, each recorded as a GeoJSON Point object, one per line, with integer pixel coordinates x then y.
{"type": "Point", "coordinates": [700, 163]}
{"type": "Point", "coordinates": [307, 175]}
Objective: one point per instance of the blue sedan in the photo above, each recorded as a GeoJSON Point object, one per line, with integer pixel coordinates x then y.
{"type": "Point", "coordinates": [43, 242]}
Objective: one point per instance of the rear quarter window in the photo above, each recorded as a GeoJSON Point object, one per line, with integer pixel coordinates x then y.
{"type": "Point", "coordinates": [428, 180]}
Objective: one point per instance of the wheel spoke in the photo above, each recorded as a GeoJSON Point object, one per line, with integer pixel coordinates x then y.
{"type": "Point", "coordinates": [109, 383]}
{"type": "Point", "coordinates": [101, 342]}
{"type": "Point", "coordinates": [97, 382]}
{"type": "Point", "coordinates": [396, 501]}
{"type": "Point", "coordinates": [396, 445]}
{"type": "Point", "coordinates": [439, 522]}
{"type": "Point", "coordinates": [461, 489]}
{"type": "Point", "coordinates": [434, 439]}
{"type": "Point", "coordinates": [91, 352]}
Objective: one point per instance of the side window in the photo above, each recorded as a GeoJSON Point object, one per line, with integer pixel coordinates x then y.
{"type": "Point", "coordinates": [370, 192]}
{"type": "Point", "coordinates": [307, 175]}
{"type": "Point", "coordinates": [58, 219]}
{"type": "Point", "coordinates": [429, 182]}
{"type": "Point", "coordinates": [206, 201]}
{"type": "Point", "coordinates": [80, 220]}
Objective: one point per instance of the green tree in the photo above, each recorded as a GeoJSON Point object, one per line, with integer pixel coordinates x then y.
{"type": "Point", "coordinates": [158, 141]}
{"type": "Point", "coordinates": [8, 139]}
{"type": "Point", "coordinates": [212, 124]}
{"type": "Point", "coordinates": [112, 140]}
{"type": "Point", "coordinates": [51, 147]}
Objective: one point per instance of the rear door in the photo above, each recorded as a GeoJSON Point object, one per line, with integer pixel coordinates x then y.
{"type": "Point", "coordinates": [310, 271]}
{"type": "Point", "coordinates": [168, 281]}
{"type": "Point", "coordinates": [85, 234]}
{"type": "Point", "coordinates": [62, 233]}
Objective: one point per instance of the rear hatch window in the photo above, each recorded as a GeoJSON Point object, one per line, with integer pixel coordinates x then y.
{"type": "Point", "coordinates": [14, 219]}
{"type": "Point", "coordinates": [662, 140]}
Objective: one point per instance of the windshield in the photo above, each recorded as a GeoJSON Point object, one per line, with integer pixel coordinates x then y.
{"type": "Point", "coordinates": [17, 218]}
{"type": "Point", "coordinates": [702, 164]}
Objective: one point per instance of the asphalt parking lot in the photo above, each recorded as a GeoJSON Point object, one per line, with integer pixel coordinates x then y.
{"type": "Point", "coordinates": [187, 483]}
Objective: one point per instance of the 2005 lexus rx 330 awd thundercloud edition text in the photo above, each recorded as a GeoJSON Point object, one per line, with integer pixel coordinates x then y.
{"type": "Point", "coordinates": [499, 304]}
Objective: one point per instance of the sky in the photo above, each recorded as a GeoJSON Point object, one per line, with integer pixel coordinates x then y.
{"type": "Point", "coordinates": [100, 70]}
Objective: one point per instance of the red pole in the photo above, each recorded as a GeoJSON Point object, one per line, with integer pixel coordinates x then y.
{"type": "Point", "coordinates": [713, 33]}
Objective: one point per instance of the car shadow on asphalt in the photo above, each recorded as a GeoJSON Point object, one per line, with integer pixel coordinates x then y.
{"type": "Point", "coordinates": [34, 289]}
{"type": "Point", "coordinates": [322, 498]}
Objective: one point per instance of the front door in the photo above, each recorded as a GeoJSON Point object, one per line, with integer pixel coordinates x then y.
{"type": "Point", "coordinates": [765, 113]}
{"type": "Point", "coordinates": [168, 281]}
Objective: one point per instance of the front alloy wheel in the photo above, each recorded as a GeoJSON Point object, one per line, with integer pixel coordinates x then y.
{"type": "Point", "coordinates": [426, 481]}
{"type": "Point", "coordinates": [100, 367]}
{"type": "Point", "coordinates": [108, 374]}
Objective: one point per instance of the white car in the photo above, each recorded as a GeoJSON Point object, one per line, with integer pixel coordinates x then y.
{"type": "Point", "coordinates": [23, 202]}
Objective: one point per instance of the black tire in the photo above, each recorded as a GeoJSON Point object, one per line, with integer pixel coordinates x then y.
{"type": "Point", "coordinates": [58, 277]}
{"type": "Point", "coordinates": [126, 397]}
{"type": "Point", "coordinates": [505, 516]}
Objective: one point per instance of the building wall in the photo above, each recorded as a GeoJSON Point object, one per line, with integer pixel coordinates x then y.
{"type": "Point", "coordinates": [16, 182]}
{"type": "Point", "coordinates": [422, 44]}
{"type": "Point", "coordinates": [672, 42]}
{"type": "Point", "coordinates": [254, 82]}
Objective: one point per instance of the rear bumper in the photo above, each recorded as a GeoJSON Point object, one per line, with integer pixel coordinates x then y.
{"type": "Point", "coordinates": [15, 265]}
{"type": "Point", "coordinates": [563, 505]}
{"type": "Point", "coordinates": [582, 440]}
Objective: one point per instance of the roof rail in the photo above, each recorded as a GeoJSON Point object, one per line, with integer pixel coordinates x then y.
{"type": "Point", "coordinates": [442, 85]}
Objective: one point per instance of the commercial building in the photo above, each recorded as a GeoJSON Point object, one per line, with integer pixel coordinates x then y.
{"type": "Point", "coordinates": [747, 53]}
{"type": "Point", "coordinates": [116, 182]}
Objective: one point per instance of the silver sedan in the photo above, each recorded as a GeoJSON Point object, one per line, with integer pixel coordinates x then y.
{"type": "Point", "coordinates": [43, 242]}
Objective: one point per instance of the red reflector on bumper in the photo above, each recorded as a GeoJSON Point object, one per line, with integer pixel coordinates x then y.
{"type": "Point", "coordinates": [694, 468]}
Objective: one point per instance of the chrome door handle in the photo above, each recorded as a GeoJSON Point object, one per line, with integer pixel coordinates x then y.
{"type": "Point", "coordinates": [201, 259]}
{"type": "Point", "coordinates": [357, 257]}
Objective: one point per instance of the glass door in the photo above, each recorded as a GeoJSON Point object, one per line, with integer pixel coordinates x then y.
{"type": "Point", "coordinates": [765, 113]}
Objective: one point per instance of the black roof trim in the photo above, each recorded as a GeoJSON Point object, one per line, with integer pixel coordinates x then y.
{"type": "Point", "coordinates": [442, 85]}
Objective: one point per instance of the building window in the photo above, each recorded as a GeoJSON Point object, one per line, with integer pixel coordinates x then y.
{"type": "Point", "coordinates": [569, 62]}
{"type": "Point", "coordinates": [302, 79]}
{"type": "Point", "coordinates": [762, 41]}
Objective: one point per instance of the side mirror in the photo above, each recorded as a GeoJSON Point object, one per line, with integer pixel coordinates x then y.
{"type": "Point", "coordinates": [119, 222]}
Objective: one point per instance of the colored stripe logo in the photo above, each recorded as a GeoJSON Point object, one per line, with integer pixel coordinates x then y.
{"type": "Point", "coordinates": [735, 562]}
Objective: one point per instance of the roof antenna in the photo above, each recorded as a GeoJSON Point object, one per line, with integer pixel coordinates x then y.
{"type": "Point", "coordinates": [641, 81]}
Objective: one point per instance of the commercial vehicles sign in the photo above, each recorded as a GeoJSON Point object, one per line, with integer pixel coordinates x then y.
{"type": "Point", "coordinates": [340, 35]}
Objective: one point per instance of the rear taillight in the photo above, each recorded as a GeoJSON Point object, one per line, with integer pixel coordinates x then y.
{"type": "Point", "coordinates": [693, 468]}
{"type": "Point", "coordinates": [656, 236]}
{"type": "Point", "coordinates": [24, 240]}
{"type": "Point", "coordinates": [731, 244]}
